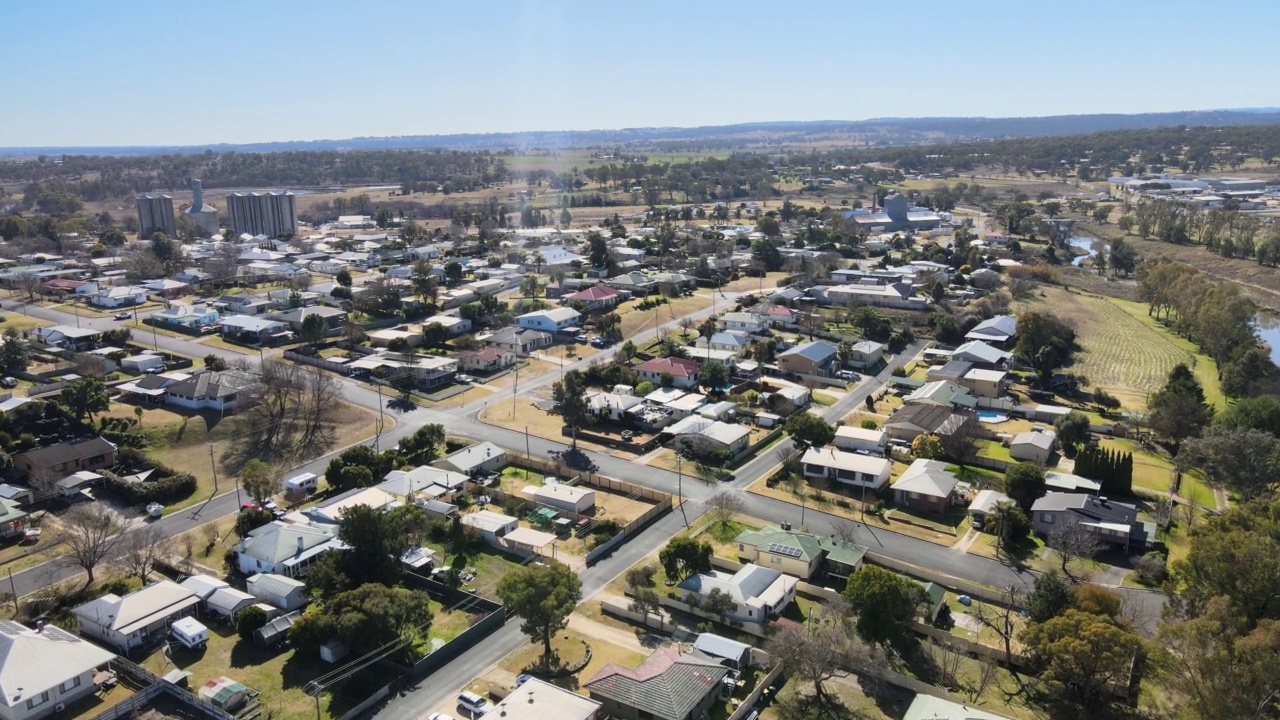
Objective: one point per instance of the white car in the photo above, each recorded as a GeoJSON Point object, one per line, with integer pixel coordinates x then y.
{"type": "Point", "coordinates": [439, 716]}
{"type": "Point", "coordinates": [473, 704]}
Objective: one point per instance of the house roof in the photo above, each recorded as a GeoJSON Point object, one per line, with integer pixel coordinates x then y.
{"type": "Point", "coordinates": [1087, 506]}
{"type": "Point", "coordinates": [667, 684]}
{"type": "Point", "coordinates": [673, 366]}
{"type": "Point", "coordinates": [1067, 482]}
{"type": "Point", "coordinates": [560, 491]}
{"type": "Point", "coordinates": [868, 347]}
{"type": "Point", "coordinates": [999, 328]}
{"type": "Point", "coordinates": [943, 392]}
{"type": "Point", "coordinates": [408, 482]}
{"type": "Point", "coordinates": [555, 315]}
{"type": "Point", "coordinates": [594, 293]}
{"type": "Point", "coordinates": [213, 384]}
{"type": "Point", "coordinates": [273, 584]}
{"type": "Point", "coordinates": [927, 477]}
{"type": "Point", "coordinates": [538, 700]}
{"type": "Point", "coordinates": [138, 609]}
{"type": "Point", "coordinates": [530, 537]}
{"type": "Point", "coordinates": [599, 401]}
{"type": "Point", "coordinates": [853, 462]}
{"type": "Point", "coordinates": [776, 540]}
{"type": "Point", "coordinates": [720, 646]}
{"type": "Point", "coordinates": [203, 585]}
{"type": "Point", "coordinates": [854, 432]}
{"type": "Point", "coordinates": [333, 510]}
{"type": "Point", "coordinates": [986, 500]}
{"type": "Point", "coordinates": [1039, 439]}
{"type": "Point", "coordinates": [743, 317]}
{"type": "Point", "coordinates": [250, 323]}
{"type": "Point", "coordinates": [725, 433]}
{"type": "Point", "coordinates": [928, 707]}
{"type": "Point", "coordinates": [751, 584]}
{"type": "Point", "coordinates": [68, 451]}
{"type": "Point", "coordinates": [953, 370]}
{"type": "Point", "coordinates": [523, 336]}
{"type": "Point", "coordinates": [276, 542]}
{"type": "Point", "coordinates": [229, 599]}
{"type": "Point", "coordinates": [489, 355]}
{"type": "Point", "coordinates": [181, 310]}
{"type": "Point", "coordinates": [816, 351]}
{"type": "Point", "coordinates": [302, 313]}
{"type": "Point", "coordinates": [924, 416]}
{"type": "Point", "coordinates": [473, 456]}
{"type": "Point", "coordinates": [729, 337]}
{"type": "Point", "coordinates": [487, 520]}
{"type": "Point", "coordinates": [32, 662]}
{"type": "Point", "coordinates": [980, 351]}
{"type": "Point", "coordinates": [985, 375]}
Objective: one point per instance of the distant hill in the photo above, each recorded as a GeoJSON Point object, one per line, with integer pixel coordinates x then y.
{"type": "Point", "coordinates": [744, 136]}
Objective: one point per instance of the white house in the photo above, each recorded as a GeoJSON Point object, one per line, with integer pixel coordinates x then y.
{"type": "Point", "coordinates": [130, 621]}
{"type": "Point", "coordinates": [855, 439]}
{"type": "Point", "coordinates": [223, 390]}
{"type": "Point", "coordinates": [997, 330]}
{"type": "Point", "coordinates": [758, 593]}
{"type": "Point", "coordinates": [489, 524]}
{"type": "Point", "coordinates": [848, 468]}
{"type": "Point", "coordinates": [484, 456]}
{"type": "Point", "coordinates": [121, 296]}
{"type": "Point", "coordinates": [187, 316]}
{"type": "Point", "coordinates": [452, 325]}
{"type": "Point", "coordinates": [563, 497]}
{"type": "Point", "coordinates": [278, 591]}
{"type": "Point", "coordinates": [282, 549]}
{"type": "Point", "coordinates": [553, 321]}
{"type": "Point", "coordinates": [43, 671]}
{"type": "Point", "coordinates": [751, 323]}
{"type": "Point", "coordinates": [204, 585]}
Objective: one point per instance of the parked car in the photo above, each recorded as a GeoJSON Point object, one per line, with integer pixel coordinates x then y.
{"type": "Point", "coordinates": [123, 315]}
{"type": "Point", "coordinates": [847, 375]}
{"type": "Point", "coordinates": [473, 704]}
{"type": "Point", "coordinates": [9, 382]}
{"type": "Point", "coordinates": [464, 379]}
{"type": "Point", "coordinates": [598, 341]}
{"type": "Point", "coordinates": [580, 338]}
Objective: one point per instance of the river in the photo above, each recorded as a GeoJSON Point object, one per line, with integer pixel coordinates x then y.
{"type": "Point", "coordinates": [1083, 243]}
{"type": "Point", "coordinates": [1268, 328]}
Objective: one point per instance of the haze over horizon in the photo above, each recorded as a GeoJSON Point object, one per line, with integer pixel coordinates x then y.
{"type": "Point", "coordinates": [158, 74]}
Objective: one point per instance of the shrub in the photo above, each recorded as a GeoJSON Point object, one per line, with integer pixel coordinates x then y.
{"type": "Point", "coordinates": [1150, 568]}
{"type": "Point", "coordinates": [249, 620]}
{"type": "Point", "coordinates": [163, 490]}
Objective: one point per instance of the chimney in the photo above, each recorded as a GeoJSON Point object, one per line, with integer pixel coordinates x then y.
{"type": "Point", "coordinates": [39, 627]}
{"type": "Point", "coordinates": [300, 548]}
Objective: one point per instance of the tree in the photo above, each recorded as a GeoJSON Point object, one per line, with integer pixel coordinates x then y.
{"type": "Point", "coordinates": [1073, 540]}
{"type": "Point", "coordinates": [927, 446]}
{"type": "Point", "coordinates": [1024, 483]}
{"type": "Point", "coordinates": [767, 255]}
{"type": "Point", "coordinates": [423, 445]}
{"type": "Point", "coordinates": [1050, 596]}
{"type": "Point", "coordinates": [1222, 669]}
{"type": "Point", "coordinates": [1178, 410]}
{"type": "Point", "coordinates": [1248, 373]}
{"type": "Point", "coordinates": [885, 603]}
{"type": "Point", "coordinates": [90, 535]}
{"type": "Point", "coordinates": [961, 442]}
{"type": "Point", "coordinates": [719, 603]}
{"type": "Point", "coordinates": [343, 278]}
{"type": "Point", "coordinates": [1259, 413]}
{"type": "Point", "coordinates": [713, 375]}
{"type": "Point", "coordinates": [1007, 522]}
{"type": "Point", "coordinates": [683, 556]}
{"type": "Point", "coordinates": [646, 602]}
{"type": "Point", "coordinates": [530, 287]}
{"type": "Point", "coordinates": [377, 540]}
{"type": "Point", "coordinates": [141, 548]}
{"type": "Point", "coordinates": [84, 397]}
{"type": "Point", "coordinates": [453, 271]}
{"type": "Point", "coordinates": [570, 399]}
{"type": "Point", "coordinates": [598, 250]}
{"type": "Point", "coordinates": [258, 479]}
{"type": "Point", "coordinates": [723, 505]}
{"type": "Point", "coordinates": [542, 596]}
{"type": "Point", "coordinates": [1235, 555]}
{"type": "Point", "coordinates": [249, 621]}
{"type": "Point", "coordinates": [358, 466]}
{"type": "Point", "coordinates": [1044, 342]}
{"type": "Point", "coordinates": [1243, 460]}
{"type": "Point", "coordinates": [15, 356]}
{"type": "Point", "coordinates": [807, 430]}
{"type": "Point", "coordinates": [365, 619]}
{"type": "Point", "coordinates": [769, 226]}
{"type": "Point", "coordinates": [1072, 429]}
{"type": "Point", "coordinates": [215, 363]}
{"type": "Point", "coordinates": [1082, 654]}
{"type": "Point", "coordinates": [818, 654]}
{"type": "Point", "coordinates": [313, 330]}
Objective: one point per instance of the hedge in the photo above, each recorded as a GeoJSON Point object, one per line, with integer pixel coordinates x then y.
{"type": "Point", "coordinates": [164, 490]}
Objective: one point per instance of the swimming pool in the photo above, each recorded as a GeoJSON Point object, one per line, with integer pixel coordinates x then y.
{"type": "Point", "coordinates": [991, 416]}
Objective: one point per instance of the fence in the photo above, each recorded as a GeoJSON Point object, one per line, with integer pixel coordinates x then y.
{"type": "Point", "coordinates": [495, 616]}
{"type": "Point", "coordinates": [749, 702]}
{"type": "Point", "coordinates": [155, 687]}
{"type": "Point", "coordinates": [369, 702]}
{"type": "Point", "coordinates": [321, 363]}
{"type": "Point", "coordinates": [954, 583]}
{"type": "Point", "coordinates": [743, 456]}
{"type": "Point", "coordinates": [632, 528]}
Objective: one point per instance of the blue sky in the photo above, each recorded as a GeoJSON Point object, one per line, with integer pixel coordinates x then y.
{"type": "Point", "coordinates": [91, 72]}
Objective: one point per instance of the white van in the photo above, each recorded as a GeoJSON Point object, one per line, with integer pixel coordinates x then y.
{"type": "Point", "coordinates": [304, 484]}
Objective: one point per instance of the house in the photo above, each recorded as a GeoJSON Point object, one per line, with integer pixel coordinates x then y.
{"type": "Point", "coordinates": [986, 383]}
{"type": "Point", "coordinates": [635, 283]}
{"type": "Point", "coordinates": [13, 519]}
{"type": "Point", "coordinates": [528, 542]}
{"type": "Point", "coordinates": [66, 286]}
{"type": "Point", "coordinates": [331, 511]}
{"type": "Point", "coordinates": [911, 421]}
{"type": "Point", "coordinates": [893, 295]}
{"type": "Point", "coordinates": [926, 485]}
{"type": "Point", "coordinates": [386, 336]}
{"type": "Point", "coordinates": [789, 399]}
{"type": "Point", "coordinates": [555, 320]}
{"type": "Point", "coordinates": [119, 296]}
{"type": "Point", "coordinates": [251, 330]}
{"type": "Point", "coordinates": [598, 298]}
{"type": "Point", "coordinates": [131, 621]}
{"type": "Point", "coordinates": [986, 501]}
{"type": "Point", "coordinates": [474, 459]}
{"type": "Point", "coordinates": [563, 497]}
{"type": "Point", "coordinates": [1034, 446]}
{"type": "Point", "coordinates": [278, 591]}
{"type": "Point", "coordinates": [865, 353]}
{"type": "Point", "coordinates": [612, 406]}
{"type": "Point", "coordinates": [151, 388]}
{"type": "Point", "coordinates": [733, 341]}
{"type": "Point", "coordinates": [426, 370]}
{"type": "Point", "coordinates": [423, 483]}
{"type": "Point", "coordinates": [491, 525]}
{"type": "Point", "coordinates": [942, 393]}
{"type": "Point", "coordinates": [486, 361]}
{"type": "Point", "coordinates": [66, 337]}
{"type": "Point", "coordinates": [758, 593]}
{"type": "Point", "coordinates": [1113, 523]}
{"type": "Point", "coordinates": [667, 685]}
{"type": "Point", "coordinates": [706, 435]}
{"type": "Point", "coordinates": [334, 318]}
{"type": "Point", "coordinates": [76, 482]}
{"type": "Point", "coordinates": [143, 362]}
{"type": "Point", "coordinates": [453, 326]}
{"type": "Point", "coordinates": [730, 653]}
{"type": "Point", "coordinates": [221, 390]}
{"type": "Point", "coordinates": [750, 323]}
{"type": "Point", "coordinates": [998, 330]}
{"type": "Point", "coordinates": [724, 410]}
{"type": "Point", "coordinates": [810, 358]}
{"type": "Point", "coordinates": [166, 288]}
{"type": "Point", "coordinates": [859, 439]}
{"type": "Point", "coordinates": [204, 585]}
{"type": "Point", "coordinates": [928, 707]}
{"type": "Point", "coordinates": [536, 699]}
{"type": "Point", "coordinates": [187, 316]}
{"type": "Point", "coordinates": [242, 304]}
{"type": "Point", "coordinates": [982, 355]}
{"type": "Point", "coordinates": [228, 602]}
{"type": "Point", "coordinates": [520, 341]}
{"type": "Point", "coordinates": [682, 373]}
{"type": "Point", "coordinates": [46, 670]}
{"type": "Point", "coordinates": [802, 555]}
{"type": "Point", "coordinates": [847, 468]}
{"type": "Point", "coordinates": [686, 405]}
{"type": "Point", "coordinates": [781, 315]}
{"type": "Point", "coordinates": [66, 457]}
{"type": "Point", "coordinates": [283, 549]}
{"type": "Point", "coordinates": [952, 371]}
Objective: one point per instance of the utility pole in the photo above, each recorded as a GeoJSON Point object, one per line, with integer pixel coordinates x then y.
{"type": "Point", "coordinates": [526, 442]}
{"type": "Point", "coordinates": [13, 590]}
{"type": "Point", "coordinates": [214, 467]}
{"type": "Point", "coordinates": [680, 488]}
{"type": "Point", "coordinates": [377, 437]}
